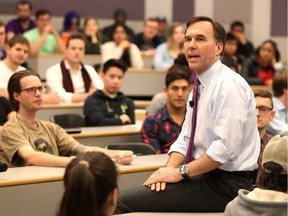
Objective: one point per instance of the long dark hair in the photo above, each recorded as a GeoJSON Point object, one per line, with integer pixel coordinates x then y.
{"type": "Point", "coordinates": [274, 46]}
{"type": "Point", "coordinates": [14, 85]}
{"type": "Point", "coordinates": [89, 179]}
{"type": "Point", "coordinates": [274, 179]}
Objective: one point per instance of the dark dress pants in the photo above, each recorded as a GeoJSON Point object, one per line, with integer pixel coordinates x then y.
{"type": "Point", "coordinates": [208, 192]}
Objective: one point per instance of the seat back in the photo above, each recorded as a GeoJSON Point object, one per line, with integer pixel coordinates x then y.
{"type": "Point", "coordinates": [68, 120]}
{"type": "Point", "coordinates": [137, 148]}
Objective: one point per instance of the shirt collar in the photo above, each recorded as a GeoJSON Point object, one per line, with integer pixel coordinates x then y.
{"type": "Point", "coordinates": [68, 66]}
{"type": "Point", "coordinates": [165, 114]}
{"type": "Point", "coordinates": [206, 77]}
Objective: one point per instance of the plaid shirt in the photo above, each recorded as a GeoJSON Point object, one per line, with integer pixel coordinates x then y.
{"type": "Point", "coordinates": [264, 141]}
{"type": "Point", "coordinates": [160, 131]}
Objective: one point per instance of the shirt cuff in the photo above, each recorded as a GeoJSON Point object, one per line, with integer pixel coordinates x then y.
{"type": "Point", "coordinates": [218, 152]}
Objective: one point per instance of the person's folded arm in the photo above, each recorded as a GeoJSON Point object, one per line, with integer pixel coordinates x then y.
{"type": "Point", "coordinates": [36, 158]}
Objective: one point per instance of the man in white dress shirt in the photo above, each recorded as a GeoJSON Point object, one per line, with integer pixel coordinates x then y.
{"type": "Point", "coordinates": [226, 142]}
{"type": "Point", "coordinates": [71, 79]}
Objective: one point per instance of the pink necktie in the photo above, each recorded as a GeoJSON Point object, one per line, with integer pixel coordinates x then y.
{"type": "Point", "coordinates": [189, 154]}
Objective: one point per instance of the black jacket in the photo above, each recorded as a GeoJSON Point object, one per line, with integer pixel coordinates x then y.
{"type": "Point", "coordinates": [250, 71]}
{"type": "Point", "coordinates": [5, 109]}
{"type": "Point", "coordinates": [100, 110]}
{"type": "Point", "coordinates": [143, 45]}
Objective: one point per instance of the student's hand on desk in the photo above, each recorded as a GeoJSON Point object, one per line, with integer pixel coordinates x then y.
{"type": "Point", "coordinates": [125, 119]}
{"type": "Point", "coordinates": [157, 181]}
{"type": "Point", "coordinates": [124, 157]}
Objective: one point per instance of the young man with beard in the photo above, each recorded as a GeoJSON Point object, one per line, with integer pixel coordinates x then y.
{"type": "Point", "coordinates": [23, 22]}
{"type": "Point", "coordinates": [161, 129]}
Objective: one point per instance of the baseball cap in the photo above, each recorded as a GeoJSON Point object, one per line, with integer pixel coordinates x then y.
{"type": "Point", "coordinates": [276, 151]}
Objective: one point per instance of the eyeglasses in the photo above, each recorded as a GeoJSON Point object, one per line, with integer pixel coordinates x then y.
{"type": "Point", "coordinates": [263, 109]}
{"type": "Point", "coordinates": [33, 90]}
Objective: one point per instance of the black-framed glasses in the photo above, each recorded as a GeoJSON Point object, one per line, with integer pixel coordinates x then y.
{"type": "Point", "coordinates": [263, 109]}
{"type": "Point", "coordinates": [32, 90]}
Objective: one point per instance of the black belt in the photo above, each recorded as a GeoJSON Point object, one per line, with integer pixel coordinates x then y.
{"type": "Point", "coordinates": [247, 174]}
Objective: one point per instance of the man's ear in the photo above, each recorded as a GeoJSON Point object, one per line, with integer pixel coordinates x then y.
{"type": "Point", "coordinates": [16, 96]}
{"type": "Point", "coordinates": [7, 47]}
{"type": "Point", "coordinates": [285, 91]}
{"type": "Point", "coordinates": [272, 115]}
{"type": "Point", "coordinates": [220, 47]}
{"type": "Point", "coordinates": [165, 89]}
{"type": "Point", "coordinates": [101, 74]}
{"type": "Point", "coordinates": [113, 197]}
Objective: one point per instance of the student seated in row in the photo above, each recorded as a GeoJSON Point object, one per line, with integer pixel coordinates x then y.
{"type": "Point", "coordinates": [161, 129]}
{"type": "Point", "coordinates": [22, 22]}
{"type": "Point", "coordinates": [17, 50]}
{"type": "Point", "coordinates": [109, 106]}
{"type": "Point", "coordinates": [44, 38]}
{"type": "Point", "coordinates": [26, 140]}
{"type": "Point", "coordinates": [120, 17]}
{"type": "Point", "coordinates": [265, 113]}
{"type": "Point", "coordinates": [72, 80]}
{"type": "Point", "coordinates": [148, 39]}
{"type": "Point", "coordinates": [167, 52]}
{"type": "Point", "coordinates": [260, 69]}
{"type": "Point", "coordinates": [121, 48]}
{"type": "Point", "coordinates": [97, 193]}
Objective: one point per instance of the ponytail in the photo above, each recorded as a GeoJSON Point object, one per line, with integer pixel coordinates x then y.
{"type": "Point", "coordinates": [89, 180]}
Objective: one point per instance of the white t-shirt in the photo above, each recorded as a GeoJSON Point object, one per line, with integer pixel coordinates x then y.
{"type": "Point", "coordinates": [6, 73]}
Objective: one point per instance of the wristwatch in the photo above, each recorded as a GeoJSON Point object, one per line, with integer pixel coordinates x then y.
{"type": "Point", "coordinates": [183, 170]}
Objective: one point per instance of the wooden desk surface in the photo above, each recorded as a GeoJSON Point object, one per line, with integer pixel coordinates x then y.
{"type": "Point", "coordinates": [261, 87]}
{"type": "Point", "coordinates": [37, 174]}
{"type": "Point", "coordinates": [109, 130]}
{"type": "Point", "coordinates": [138, 104]}
{"type": "Point", "coordinates": [172, 214]}
{"type": "Point", "coordinates": [144, 163]}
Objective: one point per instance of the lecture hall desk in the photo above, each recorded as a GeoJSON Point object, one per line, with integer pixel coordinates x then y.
{"type": "Point", "coordinates": [172, 214]}
{"type": "Point", "coordinates": [100, 136]}
{"type": "Point", "coordinates": [77, 108]}
{"type": "Point", "coordinates": [34, 190]}
{"type": "Point", "coordinates": [137, 82]}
